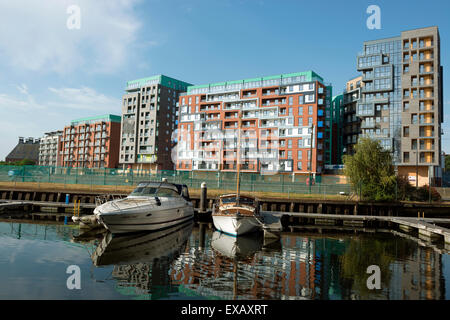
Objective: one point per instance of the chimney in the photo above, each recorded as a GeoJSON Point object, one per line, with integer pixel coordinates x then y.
{"type": "Point", "coordinates": [20, 140]}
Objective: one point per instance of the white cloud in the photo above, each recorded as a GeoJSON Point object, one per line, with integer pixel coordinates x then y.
{"type": "Point", "coordinates": [35, 35]}
{"type": "Point", "coordinates": [83, 99]}
{"type": "Point", "coordinates": [28, 116]}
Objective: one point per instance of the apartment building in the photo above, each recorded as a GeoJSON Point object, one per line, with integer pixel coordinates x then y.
{"type": "Point", "coordinates": [284, 123]}
{"type": "Point", "coordinates": [49, 148]}
{"type": "Point", "coordinates": [91, 142]}
{"type": "Point", "coordinates": [401, 101]}
{"type": "Point", "coordinates": [351, 124]}
{"type": "Point", "coordinates": [337, 129]}
{"type": "Point", "coordinates": [149, 111]}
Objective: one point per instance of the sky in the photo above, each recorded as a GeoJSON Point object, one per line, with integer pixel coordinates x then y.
{"type": "Point", "coordinates": [52, 73]}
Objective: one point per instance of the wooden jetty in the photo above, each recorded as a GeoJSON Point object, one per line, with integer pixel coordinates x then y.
{"type": "Point", "coordinates": [13, 205]}
{"type": "Point", "coordinates": [425, 227]}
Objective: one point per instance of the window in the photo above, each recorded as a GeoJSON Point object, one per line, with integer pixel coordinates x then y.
{"type": "Point", "coordinates": [300, 100]}
{"type": "Point", "coordinates": [300, 144]}
{"type": "Point", "coordinates": [310, 110]}
{"type": "Point", "coordinates": [406, 131]}
{"type": "Point", "coordinates": [291, 101]}
{"type": "Point", "coordinates": [299, 165]}
{"type": "Point", "coordinates": [300, 111]}
{"type": "Point", "coordinates": [405, 156]}
{"type": "Point", "coordinates": [299, 154]}
{"type": "Point", "coordinates": [414, 144]}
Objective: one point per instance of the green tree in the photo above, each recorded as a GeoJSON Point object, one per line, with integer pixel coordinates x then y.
{"type": "Point", "coordinates": [447, 163]}
{"type": "Point", "coordinates": [370, 171]}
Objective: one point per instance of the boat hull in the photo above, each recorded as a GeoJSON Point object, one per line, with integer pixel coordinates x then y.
{"type": "Point", "coordinates": [147, 219]}
{"type": "Point", "coordinates": [236, 225]}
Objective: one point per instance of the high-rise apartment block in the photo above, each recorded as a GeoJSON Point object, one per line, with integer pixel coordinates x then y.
{"type": "Point", "coordinates": [49, 149]}
{"type": "Point", "coordinates": [91, 142]}
{"type": "Point", "coordinates": [351, 124]}
{"type": "Point", "coordinates": [284, 123]}
{"type": "Point", "coordinates": [401, 101]}
{"type": "Point", "coordinates": [149, 109]}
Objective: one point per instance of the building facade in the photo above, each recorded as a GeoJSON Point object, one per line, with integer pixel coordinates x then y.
{"type": "Point", "coordinates": [284, 123]}
{"type": "Point", "coordinates": [402, 101]}
{"type": "Point", "coordinates": [91, 142]}
{"type": "Point", "coordinates": [148, 122]}
{"type": "Point", "coordinates": [337, 144]}
{"type": "Point", "coordinates": [351, 124]}
{"type": "Point", "coordinates": [49, 149]}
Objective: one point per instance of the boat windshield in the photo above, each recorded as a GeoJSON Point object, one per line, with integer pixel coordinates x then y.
{"type": "Point", "coordinates": [144, 191]}
{"type": "Point", "coordinates": [152, 191]}
{"type": "Point", "coordinates": [242, 200]}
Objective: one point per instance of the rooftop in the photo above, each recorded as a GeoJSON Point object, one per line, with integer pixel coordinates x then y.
{"type": "Point", "coordinates": [106, 117]}
{"type": "Point", "coordinates": [256, 82]}
{"type": "Point", "coordinates": [25, 149]}
{"type": "Point", "coordinates": [158, 79]}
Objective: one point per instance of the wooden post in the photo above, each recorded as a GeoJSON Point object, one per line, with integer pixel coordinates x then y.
{"type": "Point", "coordinates": [203, 197]}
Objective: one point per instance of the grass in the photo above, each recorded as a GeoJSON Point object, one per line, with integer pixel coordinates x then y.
{"type": "Point", "coordinates": [212, 193]}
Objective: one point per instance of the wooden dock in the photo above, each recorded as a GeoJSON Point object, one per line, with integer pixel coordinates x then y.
{"type": "Point", "coordinates": [13, 205]}
{"type": "Point", "coordinates": [424, 226]}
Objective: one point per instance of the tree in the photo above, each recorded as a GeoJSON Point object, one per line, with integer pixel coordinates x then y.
{"type": "Point", "coordinates": [447, 163]}
{"type": "Point", "coordinates": [370, 171]}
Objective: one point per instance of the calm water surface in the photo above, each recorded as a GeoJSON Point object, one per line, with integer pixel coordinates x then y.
{"type": "Point", "coordinates": [195, 262]}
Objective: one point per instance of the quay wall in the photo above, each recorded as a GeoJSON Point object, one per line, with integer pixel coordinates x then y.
{"type": "Point", "coordinates": [86, 194]}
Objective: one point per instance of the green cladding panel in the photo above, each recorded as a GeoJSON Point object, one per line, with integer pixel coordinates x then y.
{"type": "Point", "coordinates": [307, 75]}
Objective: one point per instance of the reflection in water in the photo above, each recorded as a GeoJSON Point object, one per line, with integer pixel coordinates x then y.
{"type": "Point", "coordinates": [194, 262]}
{"type": "Point", "coordinates": [313, 268]}
{"type": "Point", "coordinates": [142, 259]}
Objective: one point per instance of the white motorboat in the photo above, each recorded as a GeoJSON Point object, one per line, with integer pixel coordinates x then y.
{"type": "Point", "coordinates": [151, 206]}
{"type": "Point", "coordinates": [145, 247]}
{"type": "Point", "coordinates": [237, 215]}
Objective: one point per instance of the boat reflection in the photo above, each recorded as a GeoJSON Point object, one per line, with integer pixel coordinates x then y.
{"type": "Point", "coordinates": [142, 247]}
{"type": "Point", "coordinates": [236, 248]}
{"type": "Point", "coordinates": [237, 251]}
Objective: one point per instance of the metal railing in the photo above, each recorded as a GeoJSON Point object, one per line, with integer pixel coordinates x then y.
{"type": "Point", "coordinates": [286, 184]}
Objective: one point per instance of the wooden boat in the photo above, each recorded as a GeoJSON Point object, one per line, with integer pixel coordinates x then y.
{"type": "Point", "coordinates": [236, 215]}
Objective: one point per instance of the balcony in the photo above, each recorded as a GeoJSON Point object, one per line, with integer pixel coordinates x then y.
{"type": "Point", "coordinates": [426, 70]}
{"type": "Point", "coordinates": [426, 121]}
{"type": "Point", "coordinates": [368, 125]}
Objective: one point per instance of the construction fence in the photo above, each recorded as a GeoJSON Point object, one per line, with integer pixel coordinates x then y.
{"type": "Point", "coordinates": [225, 181]}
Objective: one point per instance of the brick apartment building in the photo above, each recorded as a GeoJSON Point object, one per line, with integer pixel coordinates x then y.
{"type": "Point", "coordinates": [285, 123]}
{"type": "Point", "coordinates": [91, 142]}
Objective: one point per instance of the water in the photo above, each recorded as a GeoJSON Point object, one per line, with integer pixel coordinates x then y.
{"type": "Point", "coordinates": [192, 262]}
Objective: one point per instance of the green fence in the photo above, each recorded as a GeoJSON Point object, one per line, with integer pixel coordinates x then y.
{"type": "Point", "coordinates": [250, 182]}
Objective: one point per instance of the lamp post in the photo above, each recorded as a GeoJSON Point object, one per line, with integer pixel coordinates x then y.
{"type": "Point", "coordinates": [417, 170]}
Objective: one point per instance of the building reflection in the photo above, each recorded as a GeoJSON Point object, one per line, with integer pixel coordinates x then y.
{"type": "Point", "coordinates": [311, 267]}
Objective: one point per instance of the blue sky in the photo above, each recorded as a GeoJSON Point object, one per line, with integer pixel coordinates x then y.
{"type": "Point", "coordinates": [50, 75]}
